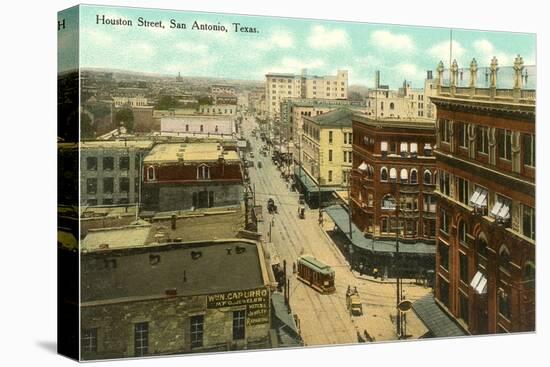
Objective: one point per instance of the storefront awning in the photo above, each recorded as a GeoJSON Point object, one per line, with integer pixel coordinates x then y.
{"type": "Point", "coordinates": [440, 324]}
{"type": "Point", "coordinates": [340, 217]}
{"type": "Point", "coordinates": [308, 183]}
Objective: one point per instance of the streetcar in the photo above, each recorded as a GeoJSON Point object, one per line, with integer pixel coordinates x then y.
{"type": "Point", "coordinates": [316, 274]}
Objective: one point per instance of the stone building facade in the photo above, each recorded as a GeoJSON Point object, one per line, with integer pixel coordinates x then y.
{"type": "Point", "coordinates": [110, 171]}
{"type": "Point", "coordinates": [181, 298]}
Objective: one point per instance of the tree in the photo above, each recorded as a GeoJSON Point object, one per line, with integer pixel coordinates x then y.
{"type": "Point", "coordinates": [87, 130]}
{"type": "Point", "coordinates": [166, 102]}
{"type": "Point", "coordinates": [125, 117]}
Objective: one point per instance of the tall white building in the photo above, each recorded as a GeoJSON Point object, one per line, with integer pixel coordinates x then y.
{"type": "Point", "coordinates": [281, 86]}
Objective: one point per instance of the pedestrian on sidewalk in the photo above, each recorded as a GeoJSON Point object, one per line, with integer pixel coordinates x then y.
{"type": "Point", "coordinates": [375, 273]}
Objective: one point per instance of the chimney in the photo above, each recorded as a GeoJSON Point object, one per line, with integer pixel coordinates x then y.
{"type": "Point", "coordinates": [173, 220]}
{"type": "Point", "coordinates": [377, 79]}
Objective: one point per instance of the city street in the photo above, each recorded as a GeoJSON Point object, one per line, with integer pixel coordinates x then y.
{"type": "Point", "coordinates": [324, 319]}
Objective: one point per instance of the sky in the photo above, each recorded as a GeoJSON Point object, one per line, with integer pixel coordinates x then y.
{"type": "Point", "coordinates": [285, 45]}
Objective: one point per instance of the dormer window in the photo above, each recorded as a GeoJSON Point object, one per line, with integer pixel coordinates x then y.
{"type": "Point", "coordinates": [151, 176]}
{"type": "Point", "coordinates": [203, 172]}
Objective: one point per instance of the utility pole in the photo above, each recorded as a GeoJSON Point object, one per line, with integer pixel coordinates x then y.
{"type": "Point", "coordinates": [397, 270]}
{"type": "Point", "coordinates": [349, 205]}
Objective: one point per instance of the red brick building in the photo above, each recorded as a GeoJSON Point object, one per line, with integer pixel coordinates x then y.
{"type": "Point", "coordinates": [393, 163]}
{"type": "Point", "coordinates": [182, 176]}
{"type": "Point", "coordinates": [485, 263]}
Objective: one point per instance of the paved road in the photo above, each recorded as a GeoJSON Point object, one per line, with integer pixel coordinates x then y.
{"type": "Point", "coordinates": [324, 319]}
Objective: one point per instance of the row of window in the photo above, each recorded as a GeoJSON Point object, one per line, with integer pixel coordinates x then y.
{"type": "Point", "coordinates": [201, 128]}
{"type": "Point", "coordinates": [89, 337]}
{"type": "Point", "coordinates": [407, 202]}
{"type": "Point", "coordinates": [404, 176]}
{"type": "Point", "coordinates": [219, 110]}
{"type": "Point", "coordinates": [406, 149]}
{"type": "Point", "coordinates": [108, 185]}
{"type": "Point", "coordinates": [477, 197]}
{"type": "Point", "coordinates": [108, 201]}
{"type": "Point", "coordinates": [503, 136]}
{"type": "Point", "coordinates": [203, 173]}
{"type": "Point", "coordinates": [108, 163]}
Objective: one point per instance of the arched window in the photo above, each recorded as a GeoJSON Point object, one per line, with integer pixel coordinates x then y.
{"type": "Point", "coordinates": [393, 174]}
{"type": "Point", "coordinates": [392, 106]}
{"type": "Point", "coordinates": [414, 176]}
{"type": "Point", "coordinates": [434, 181]}
{"type": "Point", "coordinates": [427, 177]}
{"type": "Point", "coordinates": [404, 175]}
{"type": "Point", "coordinates": [383, 174]}
{"type": "Point", "coordinates": [202, 128]}
{"type": "Point", "coordinates": [481, 246]}
{"type": "Point", "coordinates": [388, 202]}
{"type": "Point", "coordinates": [504, 258]}
{"type": "Point", "coordinates": [151, 173]}
{"type": "Point", "coordinates": [203, 172]}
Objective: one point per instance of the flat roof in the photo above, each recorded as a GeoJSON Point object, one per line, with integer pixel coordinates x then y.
{"type": "Point", "coordinates": [116, 238]}
{"type": "Point", "coordinates": [192, 269]}
{"type": "Point", "coordinates": [116, 144]}
{"type": "Point", "coordinates": [189, 152]}
{"type": "Point", "coordinates": [410, 123]}
{"type": "Point", "coordinates": [338, 117]}
{"type": "Point", "coordinates": [439, 323]}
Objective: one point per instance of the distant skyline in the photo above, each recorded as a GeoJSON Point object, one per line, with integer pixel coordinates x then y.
{"type": "Point", "coordinates": [286, 45]}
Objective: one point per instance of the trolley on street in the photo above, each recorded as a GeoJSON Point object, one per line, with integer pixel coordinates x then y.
{"type": "Point", "coordinates": [316, 274]}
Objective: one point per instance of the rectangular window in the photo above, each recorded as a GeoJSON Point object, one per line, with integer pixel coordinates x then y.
{"type": "Point", "coordinates": [108, 185]}
{"type": "Point", "coordinates": [429, 203]}
{"type": "Point", "coordinates": [141, 339]}
{"type": "Point", "coordinates": [124, 163]}
{"type": "Point", "coordinates": [330, 137]}
{"type": "Point", "coordinates": [529, 150]}
{"type": "Point", "coordinates": [444, 130]}
{"type": "Point", "coordinates": [463, 135]}
{"type": "Point", "coordinates": [329, 176]}
{"type": "Point", "coordinates": [463, 190]}
{"type": "Point", "coordinates": [197, 330]}
{"type": "Point", "coordinates": [445, 183]}
{"type": "Point", "coordinates": [108, 163]}
{"type": "Point", "coordinates": [330, 155]}
{"type": "Point", "coordinates": [505, 144]}
{"type": "Point", "coordinates": [239, 318]}
{"type": "Point", "coordinates": [464, 311]}
{"type": "Point", "coordinates": [502, 208]}
{"type": "Point", "coordinates": [444, 225]}
{"type": "Point", "coordinates": [464, 268]}
{"type": "Point", "coordinates": [124, 184]}
{"type": "Point", "coordinates": [88, 340]}
{"type": "Point", "coordinates": [91, 186]}
{"type": "Point", "coordinates": [443, 255]}
{"type": "Point", "coordinates": [91, 164]}
{"type": "Point", "coordinates": [528, 220]}
{"type": "Point", "coordinates": [444, 291]}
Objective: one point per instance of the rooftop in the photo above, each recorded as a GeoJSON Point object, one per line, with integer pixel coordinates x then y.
{"type": "Point", "coordinates": [340, 117]}
{"type": "Point", "coordinates": [191, 269]}
{"type": "Point", "coordinates": [190, 152]}
{"type": "Point", "coordinates": [125, 232]}
{"type": "Point", "coordinates": [116, 144]}
{"type": "Point", "coordinates": [392, 122]}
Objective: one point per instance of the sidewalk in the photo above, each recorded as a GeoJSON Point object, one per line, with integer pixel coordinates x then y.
{"type": "Point", "coordinates": [356, 274]}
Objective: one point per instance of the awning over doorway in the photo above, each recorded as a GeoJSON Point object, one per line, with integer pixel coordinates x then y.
{"type": "Point", "coordinates": [438, 322]}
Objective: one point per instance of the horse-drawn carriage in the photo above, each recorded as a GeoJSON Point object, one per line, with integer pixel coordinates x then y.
{"type": "Point", "coordinates": [271, 207]}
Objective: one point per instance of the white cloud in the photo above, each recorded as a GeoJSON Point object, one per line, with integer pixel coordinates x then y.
{"type": "Point", "coordinates": [277, 39]}
{"type": "Point", "coordinates": [392, 41]}
{"type": "Point", "coordinates": [408, 70]}
{"type": "Point", "coordinates": [191, 47]}
{"type": "Point", "coordinates": [141, 50]}
{"type": "Point", "coordinates": [441, 52]}
{"type": "Point", "coordinates": [294, 65]}
{"type": "Point", "coordinates": [485, 51]}
{"type": "Point", "coordinates": [322, 38]}
{"type": "Point", "coordinates": [97, 37]}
